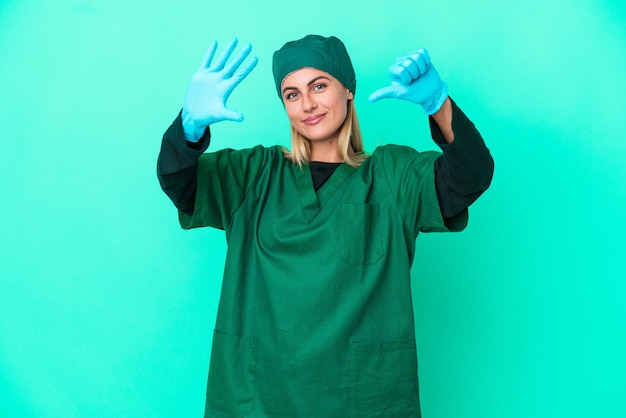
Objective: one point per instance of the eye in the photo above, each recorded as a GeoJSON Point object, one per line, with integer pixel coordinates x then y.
{"type": "Point", "coordinates": [319, 87]}
{"type": "Point", "coordinates": [291, 95]}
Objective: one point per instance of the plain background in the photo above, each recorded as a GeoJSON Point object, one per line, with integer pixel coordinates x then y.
{"type": "Point", "coordinates": [107, 306]}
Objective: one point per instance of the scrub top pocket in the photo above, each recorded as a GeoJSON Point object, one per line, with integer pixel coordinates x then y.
{"type": "Point", "coordinates": [384, 379]}
{"type": "Point", "coordinates": [232, 376]}
{"type": "Point", "coordinates": [360, 240]}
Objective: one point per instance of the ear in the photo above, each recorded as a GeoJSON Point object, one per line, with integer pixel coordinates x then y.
{"type": "Point", "coordinates": [350, 95]}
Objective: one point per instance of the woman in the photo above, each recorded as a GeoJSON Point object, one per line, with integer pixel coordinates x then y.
{"type": "Point", "coordinates": [315, 316]}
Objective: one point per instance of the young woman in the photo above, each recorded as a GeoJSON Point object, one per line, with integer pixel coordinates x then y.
{"type": "Point", "coordinates": [315, 316]}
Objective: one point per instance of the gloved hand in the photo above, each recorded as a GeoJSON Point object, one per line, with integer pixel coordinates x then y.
{"type": "Point", "coordinates": [414, 78]}
{"type": "Point", "coordinates": [210, 86]}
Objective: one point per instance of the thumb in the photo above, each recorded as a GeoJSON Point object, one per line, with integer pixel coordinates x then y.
{"type": "Point", "coordinates": [388, 92]}
{"type": "Point", "coordinates": [232, 115]}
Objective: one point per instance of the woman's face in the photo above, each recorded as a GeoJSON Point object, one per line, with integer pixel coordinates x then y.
{"type": "Point", "coordinates": [316, 103]}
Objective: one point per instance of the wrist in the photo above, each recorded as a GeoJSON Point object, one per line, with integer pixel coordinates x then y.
{"type": "Point", "coordinates": [437, 100]}
{"type": "Point", "coordinates": [192, 130]}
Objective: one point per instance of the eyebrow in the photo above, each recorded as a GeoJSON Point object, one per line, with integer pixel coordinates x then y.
{"type": "Point", "coordinates": [308, 84]}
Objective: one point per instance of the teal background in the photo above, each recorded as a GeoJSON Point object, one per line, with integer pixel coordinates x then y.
{"type": "Point", "coordinates": [107, 306]}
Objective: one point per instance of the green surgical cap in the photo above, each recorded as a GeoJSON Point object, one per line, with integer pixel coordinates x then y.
{"type": "Point", "coordinates": [314, 51]}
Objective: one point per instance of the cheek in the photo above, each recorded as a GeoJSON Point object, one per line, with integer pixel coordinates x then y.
{"type": "Point", "coordinates": [341, 107]}
{"type": "Point", "coordinates": [291, 114]}
{"type": "Point", "coordinates": [339, 102]}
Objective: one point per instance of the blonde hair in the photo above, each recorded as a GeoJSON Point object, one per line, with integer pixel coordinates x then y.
{"type": "Point", "coordinates": [350, 142]}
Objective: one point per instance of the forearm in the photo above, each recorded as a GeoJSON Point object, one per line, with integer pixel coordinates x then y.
{"type": "Point", "coordinates": [443, 119]}
{"type": "Point", "coordinates": [176, 165]}
{"type": "Point", "coordinates": [465, 169]}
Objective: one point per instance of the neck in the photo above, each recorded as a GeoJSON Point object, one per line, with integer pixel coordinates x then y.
{"type": "Point", "coordinates": [326, 151]}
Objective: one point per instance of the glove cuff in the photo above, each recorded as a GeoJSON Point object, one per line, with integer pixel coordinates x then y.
{"type": "Point", "coordinates": [435, 103]}
{"type": "Point", "coordinates": [193, 132]}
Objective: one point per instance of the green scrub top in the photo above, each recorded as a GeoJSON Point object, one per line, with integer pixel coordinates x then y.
{"type": "Point", "coordinates": [315, 316]}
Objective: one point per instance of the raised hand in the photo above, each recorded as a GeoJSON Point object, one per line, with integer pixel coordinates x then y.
{"type": "Point", "coordinates": [415, 79]}
{"type": "Point", "coordinates": [210, 87]}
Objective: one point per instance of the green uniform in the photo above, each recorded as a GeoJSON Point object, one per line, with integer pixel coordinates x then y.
{"type": "Point", "coordinates": [315, 317]}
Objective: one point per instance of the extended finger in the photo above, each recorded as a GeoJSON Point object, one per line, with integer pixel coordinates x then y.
{"type": "Point", "coordinates": [221, 61]}
{"type": "Point", "coordinates": [232, 66]}
{"type": "Point", "coordinates": [240, 74]}
{"type": "Point", "coordinates": [384, 93]}
{"type": "Point", "coordinates": [208, 56]}
{"type": "Point", "coordinates": [244, 70]}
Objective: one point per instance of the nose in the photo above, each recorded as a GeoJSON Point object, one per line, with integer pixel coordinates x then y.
{"type": "Point", "coordinates": [308, 102]}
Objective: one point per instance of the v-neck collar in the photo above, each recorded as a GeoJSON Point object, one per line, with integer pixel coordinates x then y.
{"type": "Point", "coordinates": [312, 202]}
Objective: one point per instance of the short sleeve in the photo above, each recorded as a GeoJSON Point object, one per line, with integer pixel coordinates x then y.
{"type": "Point", "coordinates": [223, 180]}
{"type": "Point", "coordinates": [411, 179]}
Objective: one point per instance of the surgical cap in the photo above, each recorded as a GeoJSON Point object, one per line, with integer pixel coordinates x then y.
{"type": "Point", "coordinates": [314, 51]}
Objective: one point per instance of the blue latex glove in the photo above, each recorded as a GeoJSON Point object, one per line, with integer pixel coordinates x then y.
{"type": "Point", "coordinates": [414, 78]}
{"type": "Point", "coordinates": [210, 86]}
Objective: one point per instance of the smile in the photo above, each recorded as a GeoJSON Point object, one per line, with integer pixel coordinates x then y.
{"type": "Point", "coordinates": [314, 119]}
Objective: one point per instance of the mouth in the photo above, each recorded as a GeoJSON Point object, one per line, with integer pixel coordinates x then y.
{"type": "Point", "coordinates": [313, 120]}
